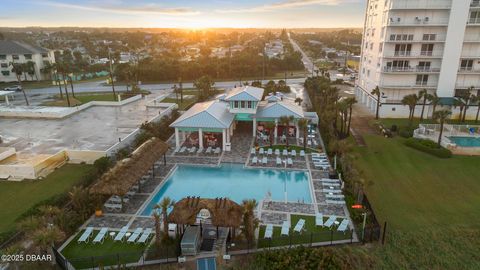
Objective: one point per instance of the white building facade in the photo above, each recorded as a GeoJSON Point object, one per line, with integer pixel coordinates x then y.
{"type": "Point", "coordinates": [18, 52]}
{"type": "Point", "coordinates": [410, 45]}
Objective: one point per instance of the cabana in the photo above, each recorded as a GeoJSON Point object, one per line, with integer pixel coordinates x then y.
{"type": "Point", "coordinates": [128, 172]}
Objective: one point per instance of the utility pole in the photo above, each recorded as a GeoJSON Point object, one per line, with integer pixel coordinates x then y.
{"type": "Point", "coordinates": [111, 74]}
{"type": "Point", "coordinates": [263, 66]}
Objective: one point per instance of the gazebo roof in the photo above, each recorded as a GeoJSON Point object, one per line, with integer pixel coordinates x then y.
{"type": "Point", "coordinates": [210, 114]}
{"type": "Point", "coordinates": [278, 109]}
{"type": "Point", "coordinates": [119, 179]}
{"type": "Point", "coordinates": [245, 93]}
{"type": "Point", "coordinates": [224, 212]}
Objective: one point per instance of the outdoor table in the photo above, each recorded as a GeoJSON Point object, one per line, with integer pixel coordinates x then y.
{"type": "Point", "coordinates": [127, 235]}
{"type": "Point", "coordinates": [337, 222]}
{"type": "Point", "coordinates": [112, 234]}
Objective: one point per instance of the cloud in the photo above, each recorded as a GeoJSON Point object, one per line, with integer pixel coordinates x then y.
{"type": "Point", "coordinates": [116, 7]}
{"type": "Point", "coordinates": [287, 4]}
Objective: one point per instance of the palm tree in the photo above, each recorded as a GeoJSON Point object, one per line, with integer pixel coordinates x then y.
{"type": "Point", "coordinates": [342, 107]}
{"type": "Point", "coordinates": [18, 70]}
{"type": "Point", "coordinates": [175, 90]}
{"type": "Point", "coordinates": [441, 116]}
{"type": "Point", "coordinates": [285, 121]}
{"type": "Point", "coordinates": [158, 231]}
{"type": "Point", "coordinates": [377, 93]}
{"type": "Point", "coordinates": [163, 206]}
{"type": "Point", "coordinates": [411, 101]}
{"type": "Point", "coordinates": [270, 126]}
{"type": "Point", "coordinates": [476, 100]}
{"type": "Point", "coordinates": [350, 101]}
{"type": "Point", "coordinates": [250, 223]}
{"type": "Point", "coordinates": [299, 101]}
{"type": "Point", "coordinates": [459, 102]}
{"type": "Point", "coordinates": [80, 199]}
{"type": "Point", "coordinates": [434, 101]}
{"type": "Point", "coordinates": [303, 125]}
{"type": "Point", "coordinates": [423, 94]}
{"type": "Point", "coordinates": [45, 237]}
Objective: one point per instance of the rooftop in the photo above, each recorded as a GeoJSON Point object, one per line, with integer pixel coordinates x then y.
{"type": "Point", "coordinates": [17, 47]}
{"type": "Point", "coordinates": [210, 114]}
{"type": "Point", "coordinates": [245, 93]}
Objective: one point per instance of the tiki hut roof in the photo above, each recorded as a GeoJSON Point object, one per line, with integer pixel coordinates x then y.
{"type": "Point", "coordinates": [224, 212]}
{"type": "Point", "coordinates": [119, 179]}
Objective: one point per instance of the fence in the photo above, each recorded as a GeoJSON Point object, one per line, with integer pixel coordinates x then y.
{"type": "Point", "coordinates": [451, 130]}
{"type": "Point", "coordinates": [140, 258]}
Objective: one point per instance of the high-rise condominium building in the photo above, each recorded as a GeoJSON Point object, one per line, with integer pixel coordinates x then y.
{"type": "Point", "coordinates": [410, 45]}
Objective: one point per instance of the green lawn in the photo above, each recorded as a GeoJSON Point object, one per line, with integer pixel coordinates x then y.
{"type": "Point", "coordinates": [18, 197]}
{"type": "Point", "coordinates": [414, 190]}
{"type": "Point", "coordinates": [83, 255]}
{"type": "Point", "coordinates": [310, 234]}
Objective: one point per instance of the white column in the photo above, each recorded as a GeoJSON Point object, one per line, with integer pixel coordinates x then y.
{"type": "Point", "coordinates": [254, 127]}
{"type": "Point", "coordinates": [6, 100]}
{"type": "Point", "coordinates": [177, 139]}
{"type": "Point", "coordinates": [224, 138]}
{"type": "Point", "coordinates": [276, 128]}
{"type": "Point", "coordinates": [297, 132]}
{"type": "Point", "coordinates": [229, 133]}
{"type": "Point", "coordinates": [200, 138]}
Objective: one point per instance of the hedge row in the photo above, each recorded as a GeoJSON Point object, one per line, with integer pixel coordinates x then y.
{"type": "Point", "coordinates": [429, 147]}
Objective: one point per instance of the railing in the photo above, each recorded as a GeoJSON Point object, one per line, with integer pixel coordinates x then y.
{"type": "Point", "coordinates": [410, 69]}
{"type": "Point", "coordinates": [420, 5]}
{"type": "Point", "coordinates": [415, 22]}
{"type": "Point", "coordinates": [474, 21]}
{"type": "Point", "coordinates": [408, 85]}
{"type": "Point", "coordinates": [468, 70]}
{"type": "Point", "coordinates": [416, 54]}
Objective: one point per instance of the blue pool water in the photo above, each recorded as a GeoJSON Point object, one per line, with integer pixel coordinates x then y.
{"type": "Point", "coordinates": [235, 182]}
{"type": "Point", "coordinates": [466, 141]}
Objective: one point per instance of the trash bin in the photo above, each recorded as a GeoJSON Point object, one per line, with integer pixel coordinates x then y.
{"type": "Point", "coordinates": [228, 147]}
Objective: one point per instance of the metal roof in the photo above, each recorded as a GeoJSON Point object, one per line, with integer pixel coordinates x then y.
{"type": "Point", "coordinates": [17, 47]}
{"type": "Point", "coordinates": [278, 109]}
{"type": "Point", "coordinates": [245, 93]}
{"type": "Point", "coordinates": [210, 114]}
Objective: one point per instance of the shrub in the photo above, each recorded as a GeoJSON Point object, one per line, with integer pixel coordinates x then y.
{"type": "Point", "coordinates": [406, 133]}
{"type": "Point", "coordinates": [429, 147]}
{"type": "Point", "coordinates": [394, 128]}
{"type": "Point", "coordinates": [102, 164]}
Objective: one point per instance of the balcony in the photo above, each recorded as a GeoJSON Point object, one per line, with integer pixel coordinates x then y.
{"type": "Point", "coordinates": [473, 21]}
{"type": "Point", "coordinates": [417, 21]}
{"type": "Point", "coordinates": [408, 85]}
{"type": "Point", "coordinates": [409, 54]}
{"type": "Point", "coordinates": [417, 69]}
{"type": "Point", "coordinates": [475, 4]}
{"type": "Point", "coordinates": [468, 70]}
{"type": "Point", "coordinates": [438, 4]}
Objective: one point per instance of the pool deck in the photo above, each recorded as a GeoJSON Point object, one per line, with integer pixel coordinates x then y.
{"type": "Point", "coordinates": [269, 212]}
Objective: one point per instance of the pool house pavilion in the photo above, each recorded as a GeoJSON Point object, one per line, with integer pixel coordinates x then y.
{"type": "Point", "coordinates": [212, 123]}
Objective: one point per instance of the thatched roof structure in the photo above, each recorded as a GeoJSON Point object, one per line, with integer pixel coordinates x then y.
{"type": "Point", "coordinates": [224, 212]}
{"type": "Point", "coordinates": [119, 179]}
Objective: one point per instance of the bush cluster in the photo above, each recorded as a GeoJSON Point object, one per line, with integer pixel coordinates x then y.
{"type": "Point", "coordinates": [429, 147]}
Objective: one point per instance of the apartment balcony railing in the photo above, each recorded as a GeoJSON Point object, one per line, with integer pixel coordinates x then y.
{"type": "Point", "coordinates": [407, 85]}
{"type": "Point", "coordinates": [475, 3]}
{"type": "Point", "coordinates": [415, 54]}
{"type": "Point", "coordinates": [437, 4]}
{"type": "Point", "coordinates": [468, 70]}
{"type": "Point", "coordinates": [474, 21]}
{"type": "Point", "coordinates": [417, 22]}
{"type": "Point", "coordinates": [411, 69]}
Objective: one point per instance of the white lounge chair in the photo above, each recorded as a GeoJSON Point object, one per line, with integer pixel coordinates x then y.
{"type": "Point", "coordinates": [200, 150]}
{"type": "Point", "coordinates": [209, 150]}
{"type": "Point", "coordinates": [183, 149]}
{"type": "Point", "coordinates": [330, 221]}
{"type": "Point", "coordinates": [269, 231]}
{"type": "Point", "coordinates": [100, 236]}
{"type": "Point", "coordinates": [289, 162]}
{"type": "Point", "coordinates": [253, 151]}
{"type": "Point", "coordinates": [264, 160]}
{"type": "Point", "coordinates": [343, 226]}
{"type": "Point", "coordinates": [112, 207]}
{"type": "Point", "coordinates": [299, 227]}
{"type": "Point", "coordinates": [293, 153]}
{"type": "Point", "coordinates": [86, 235]}
{"type": "Point", "coordinates": [121, 234]}
{"type": "Point", "coordinates": [255, 160]}
{"type": "Point", "coordinates": [277, 152]}
{"type": "Point", "coordinates": [334, 197]}
{"type": "Point", "coordinates": [279, 161]}
{"type": "Point", "coordinates": [145, 236]}
{"type": "Point", "coordinates": [117, 200]}
{"type": "Point", "coordinates": [135, 235]}
{"type": "Point", "coordinates": [319, 219]}
{"type": "Point", "coordinates": [336, 202]}
{"type": "Point", "coordinates": [302, 153]}
{"type": "Point", "coordinates": [319, 154]}
{"type": "Point", "coordinates": [285, 228]}
{"type": "Point", "coordinates": [218, 150]}
{"type": "Point", "coordinates": [270, 151]}
{"type": "Point", "coordinates": [192, 150]}
{"type": "Point", "coordinates": [261, 151]}
{"type": "Point", "coordinates": [285, 152]}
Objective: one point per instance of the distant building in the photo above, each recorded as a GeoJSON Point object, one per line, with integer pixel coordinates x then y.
{"type": "Point", "coordinates": [19, 52]}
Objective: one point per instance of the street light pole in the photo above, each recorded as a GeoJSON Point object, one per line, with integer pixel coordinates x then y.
{"type": "Point", "coordinates": [111, 74]}
{"type": "Point", "coordinates": [364, 221]}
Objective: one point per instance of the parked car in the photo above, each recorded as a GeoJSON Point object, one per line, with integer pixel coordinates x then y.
{"type": "Point", "coordinates": [16, 88]}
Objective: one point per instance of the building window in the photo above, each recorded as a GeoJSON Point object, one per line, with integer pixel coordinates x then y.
{"type": "Point", "coordinates": [28, 56]}
{"type": "Point", "coordinates": [44, 55]}
{"type": "Point", "coordinates": [427, 37]}
{"type": "Point", "coordinates": [242, 104]}
{"type": "Point", "coordinates": [423, 66]}
{"type": "Point", "coordinates": [235, 104]}
{"type": "Point", "coordinates": [427, 49]}
{"type": "Point", "coordinates": [422, 79]}
{"type": "Point", "coordinates": [15, 57]}
{"type": "Point", "coordinates": [4, 65]}
{"type": "Point", "coordinates": [3, 57]}
{"type": "Point", "coordinates": [380, 48]}
{"type": "Point", "coordinates": [474, 17]}
{"type": "Point", "coordinates": [403, 49]}
{"type": "Point", "coordinates": [249, 104]}
{"type": "Point", "coordinates": [466, 64]}
{"type": "Point", "coordinates": [5, 72]}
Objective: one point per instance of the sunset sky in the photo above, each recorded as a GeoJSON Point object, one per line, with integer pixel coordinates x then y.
{"type": "Point", "coordinates": [183, 13]}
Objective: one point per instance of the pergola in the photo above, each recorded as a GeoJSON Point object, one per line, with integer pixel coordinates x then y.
{"type": "Point", "coordinates": [119, 179]}
{"type": "Point", "coordinates": [224, 212]}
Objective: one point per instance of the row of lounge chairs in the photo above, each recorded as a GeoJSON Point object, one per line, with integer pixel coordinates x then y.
{"type": "Point", "coordinates": [114, 203]}
{"type": "Point", "coordinates": [269, 152]}
{"type": "Point", "coordinates": [195, 150]}
{"type": "Point", "coordinates": [342, 227]}
{"type": "Point", "coordinates": [139, 236]}
{"type": "Point", "coordinates": [320, 161]}
{"type": "Point", "coordinates": [264, 161]}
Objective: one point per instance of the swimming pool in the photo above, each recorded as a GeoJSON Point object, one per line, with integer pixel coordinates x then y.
{"type": "Point", "coordinates": [235, 182]}
{"type": "Point", "coordinates": [466, 141]}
